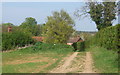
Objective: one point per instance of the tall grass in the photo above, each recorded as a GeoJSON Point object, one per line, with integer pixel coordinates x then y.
{"type": "Point", "coordinates": [104, 60]}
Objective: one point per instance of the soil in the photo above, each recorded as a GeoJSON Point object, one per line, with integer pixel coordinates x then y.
{"type": "Point", "coordinates": [63, 68]}
{"type": "Point", "coordinates": [82, 65]}
{"type": "Point", "coordinates": [88, 64]}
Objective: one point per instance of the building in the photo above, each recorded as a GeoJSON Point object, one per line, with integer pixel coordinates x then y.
{"type": "Point", "coordinates": [74, 40]}
{"type": "Point", "coordinates": [9, 29]}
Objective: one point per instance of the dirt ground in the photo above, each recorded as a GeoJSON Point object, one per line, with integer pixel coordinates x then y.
{"type": "Point", "coordinates": [75, 63]}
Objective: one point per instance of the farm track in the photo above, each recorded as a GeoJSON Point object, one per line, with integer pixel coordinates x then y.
{"type": "Point", "coordinates": [82, 65]}
{"type": "Point", "coordinates": [62, 69]}
{"type": "Point", "coordinates": [88, 64]}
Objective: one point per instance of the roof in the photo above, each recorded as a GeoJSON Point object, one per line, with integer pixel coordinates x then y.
{"type": "Point", "coordinates": [38, 38]}
{"type": "Point", "coordinates": [74, 39]}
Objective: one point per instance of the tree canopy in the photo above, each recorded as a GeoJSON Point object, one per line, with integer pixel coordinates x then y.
{"type": "Point", "coordinates": [30, 25]}
{"type": "Point", "coordinates": [58, 27]}
{"type": "Point", "coordinates": [102, 13]}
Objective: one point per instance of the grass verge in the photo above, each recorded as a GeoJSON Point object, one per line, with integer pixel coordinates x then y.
{"type": "Point", "coordinates": [105, 61]}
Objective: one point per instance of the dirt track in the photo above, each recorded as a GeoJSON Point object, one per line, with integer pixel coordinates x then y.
{"type": "Point", "coordinates": [62, 68]}
{"type": "Point", "coordinates": [88, 64]}
{"type": "Point", "coordinates": [82, 66]}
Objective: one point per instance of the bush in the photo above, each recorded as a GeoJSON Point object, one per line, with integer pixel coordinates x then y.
{"type": "Point", "coordinates": [39, 46]}
{"type": "Point", "coordinates": [74, 46]}
{"type": "Point", "coordinates": [15, 39]}
{"type": "Point", "coordinates": [108, 38]}
{"type": "Point", "coordinates": [81, 46]}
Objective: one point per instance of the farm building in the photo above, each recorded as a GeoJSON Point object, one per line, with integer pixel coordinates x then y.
{"type": "Point", "coordinates": [9, 29]}
{"type": "Point", "coordinates": [74, 40]}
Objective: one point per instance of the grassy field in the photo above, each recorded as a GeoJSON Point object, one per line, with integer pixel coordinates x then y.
{"type": "Point", "coordinates": [31, 61]}
{"type": "Point", "coordinates": [104, 61]}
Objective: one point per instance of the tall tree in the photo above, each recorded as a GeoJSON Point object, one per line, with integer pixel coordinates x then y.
{"type": "Point", "coordinates": [58, 28]}
{"type": "Point", "coordinates": [30, 25]}
{"type": "Point", "coordinates": [108, 13]}
{"type": "Point", "coordinates": [102, 13]}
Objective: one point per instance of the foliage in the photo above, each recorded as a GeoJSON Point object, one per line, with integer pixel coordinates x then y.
{"type": "Point", "coordinates": [58, 27]}
{"type": "Point", "coordinates": [15, 39]}
{"type": "Point", "coordinates": [107, 38]}
{"type": "Point", "coordinates": [30, 25]}
{"type": "Point", "coordinates": [29, 21]}
{"type": "Point", "coordinates": [96, 13]}
{"type": "Point", "coordinates": [102, 13]}
{"type": "Point", "coordinates": [39, 46]}
{"type": "Point", "coordinates": [7, 24]}
{"type": "Point", "coordinates": [75, 46]}
{"type": "Point", "coordinates": [105, 61]}
{"type": "Point", "coordinates": [81, 46]}
{"type": "Point", "coordinates": [85, 36]}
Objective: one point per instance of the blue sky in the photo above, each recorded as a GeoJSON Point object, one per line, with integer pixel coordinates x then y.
{"type": "Point", "coordinates": [16, 12]}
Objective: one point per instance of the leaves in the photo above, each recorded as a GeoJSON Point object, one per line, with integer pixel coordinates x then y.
{"type": "Point", "coordinates": [15, 39]}
{"type": "Point", "coordinates": [58, 28]}
{"type": "Point", "coordinates": [30, 25]}
{"type": "Point", "coordinates": [102, 13]}
{"type": "Point", "coordinates": [107, 38]}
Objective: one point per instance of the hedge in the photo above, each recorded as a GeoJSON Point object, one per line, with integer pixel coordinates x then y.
{"type": "Point", "coordinates": [15, 39]}
{"type": "Point", "coordinates": [108, 38]}
{"type": "Point", "coordinates": [39, 46]}
{"type": "Point", "coordinates": [80, 46]}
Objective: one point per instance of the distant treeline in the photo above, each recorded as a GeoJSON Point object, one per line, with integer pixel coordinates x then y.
{"type": "Point", "coordinates": [92, 32]}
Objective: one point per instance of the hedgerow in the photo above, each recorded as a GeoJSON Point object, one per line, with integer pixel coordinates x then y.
{"type": "Point", "coordinates": [108, 38]}
{"type": "Point", "coordinates": [39, 46]}
{"type": "Point", "coordinates": [80, 46]}
{"type": "Point", "coordinates": [15, 39]}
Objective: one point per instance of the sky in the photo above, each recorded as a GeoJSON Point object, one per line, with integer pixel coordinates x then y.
{"type": "Point", "coordinates": [16, 12]}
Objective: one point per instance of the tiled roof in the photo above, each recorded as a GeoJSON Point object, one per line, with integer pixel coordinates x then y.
{"type": "Point", "coordinates": [74, 39]}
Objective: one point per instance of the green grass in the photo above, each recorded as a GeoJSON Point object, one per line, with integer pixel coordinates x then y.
{"type": "Point", "coordinates": [25, 68]}
{"type": "Point", "coordinates": [19, 61]}
{"type": "Point", "coordinates": [105, 61]}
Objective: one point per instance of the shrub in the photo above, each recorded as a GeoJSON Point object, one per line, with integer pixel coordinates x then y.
{"type": "Point", "coordinates": [81, 46]}
{"type": "Point", "coordinates": [108, 38]}
{"type": "Point", "coordinates": [39, 46]}
{"type": "Point", "coordinates": [15, 39]}
{"type": "Point", "coordinates": [74, 46]}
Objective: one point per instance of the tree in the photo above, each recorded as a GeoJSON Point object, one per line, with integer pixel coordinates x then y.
{"type": "Point", "coordinates": [8, 24]}
{"type": "Point", "coordinates": [30, 25]}
{"type": "Point", "coordinates": [102, 13]}
{"type": "Point", "coordinates": [58, 28]}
